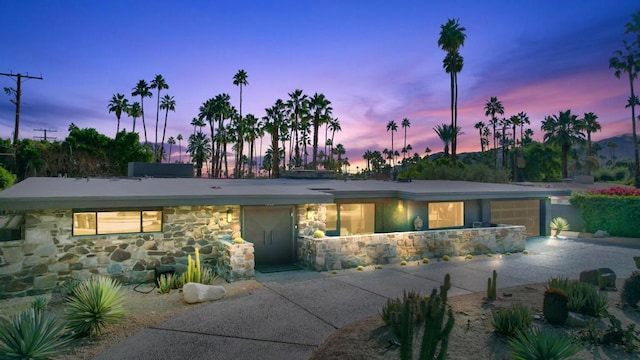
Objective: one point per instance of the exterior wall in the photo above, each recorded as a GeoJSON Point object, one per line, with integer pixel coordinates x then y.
{"type": "Point", "coordinates": [332, 253]}
{"type": "Point", "coordinates": [49, 253]}
{"type": "Point", "coordinates": [569, 212]}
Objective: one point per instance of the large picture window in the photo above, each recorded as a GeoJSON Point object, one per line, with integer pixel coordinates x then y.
{"type": "Point", "coordinates": [356, 219]}
{"type": "Point", "coordinates": [116, 222]}
{"type": "Point", "coordinates": [446, 214]}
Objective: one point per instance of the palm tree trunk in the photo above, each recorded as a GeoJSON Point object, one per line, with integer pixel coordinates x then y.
{"type": "Point", "coordinates": [635, 135]}
{"type": "Point", "coordinates": [134, 125]}
{"type": "Point", "coordinates": [169, 160]}
{"type": "Point", "coordinates": [155, 144]}
{"type": "Point", "coordinates": [452, 85]}
{"type": "Point", "coordinates": [144, 125]}
{"type": "Point", "coordinates": [164, 132]}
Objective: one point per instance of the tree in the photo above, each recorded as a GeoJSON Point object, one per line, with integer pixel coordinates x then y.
{"type": "Point", "coordinates": [452, 37]}
{"type": "Point", "coordinates": [197, 122]}
{"type": "Point", "coordinates": [368, 155]}
{"type": "Point", "coordinates": [480, 126]}
{"type": "Point", "coordinates": [405, 125]}
{"type": "Point", "coordinates": [491, 108]}
{"type": "Point", "coordinates": [168, 104]}
{"type": "Point", "coordinates": [523, 119]}
{"type": "Point", "coordinates": [563, 130]}
{"type": "Point", "coordinates": [179, 138]}
{"type": "Point", "coordinates": [251, 134]}
{"type": "Point", "coordinates": [240, 79]}
{"type": "Point", "coordinates": [135, 111]}
{"type": "Point", "coordinates": [393, 127]}
{"type": "Point", "coordinates": [321, 114]}
{"type": "Point", "coordinates": [171, 142]}
{"type": "Point", "coordinates": [590, 125]}
{"type": "Point", "coordinates": [273, 123]}
{"type": "Point", "coordinates": [446, 134]}
{"type": "Point", "coordinates": [334, 126]}
{"type": "Point", "coordinates": [142, 89]}
{"type": "Point", "coordinates": [295, 106]}
{"type": "Point", "coordinates": [118, 104]}
{"type": "Point", "coordinates": [200, 150]}
{"type": "Point", "coordinates": [158, 83]}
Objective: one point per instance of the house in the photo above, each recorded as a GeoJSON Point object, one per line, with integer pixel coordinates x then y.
{"type": "Point", "coordinates": [55, 228]}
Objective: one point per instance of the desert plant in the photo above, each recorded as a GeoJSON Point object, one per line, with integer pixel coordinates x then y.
{"type": "Point", "coordinates": [360, 268]}
{"type": "Point", "coordinates": [559, 224]}
{"type": "Point", "coordinates": [31, 334]}
{"type": "Point", "coordinates": [555, 306]}
{"type": "Point", "coordinates": [69, 285]}
{"type": "Point", "coordinates": [491, 286]}
{"type": "Point", "coordinates": [613, 335]}
{"type": "Point", "coordinates": [39, 303]}
{"type": "Point", "coordinates": [534, 344]}
{"type": "Point", "coordinates": [318, 234]}
{"type": "Point", "coordinates": [585, 299]}
{"type": "Point", "coordinates": [631, 290]}
{"type": "Point", "coordinates": [425, 260]}
{"type": "Point", "coordinates": [392, 311]}
{"type": "Point", "coordinates": [558, 283]}
{"type": "Point", "coordinates": [238, 240]}
{"type": "Point", "coordinates": [445, 258]}
{"type": "Point", "coordinates": [435, 338]}
{"type": "Point", "coordinates": [525, 252]}
{"type": "Point", "coordinates": [194, 270]}
{"type": "Point", "coordinates": [95, 303]}
{"type": "Point", "coordinates": [403, 263]}
{"type": "Point", "coordinates": [508, 321]}
{"type": "Point", "coordinates": [468, 257]}
{"type": "Point", "coordinates": [166, 282]}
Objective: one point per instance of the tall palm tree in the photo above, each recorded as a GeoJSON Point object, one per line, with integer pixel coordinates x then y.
{"type": "Point", "coordinates": [321, 114]}
{"type": "Point", "coordinates": [142, 89]}
{"type": "Point", "coordinates": [159, 83]}
{"type": "Point", "coordinates": [135, 111]}
{"type": "Point", "coordinates": [200, 150]}
{"type": "Point", "coordinates": [523, 119]}
{"type": "Point", "coordinates": [452, 37]}
{"type": "Point", "coordinates": [445, 133]}
{"type": "Point", "coordinates": [179, 138]}
{"type": "Point", "coordinates": [590, 125]}
{"type": "Point", "coordinates": [168, 104]}
{"type": "Point", "coordinates": [480, 126]}
{"type": "Point", "coordinates": [171, 142]}
{"type": "Point", "coordinates": [197, 122]}
{"type": "Point", "coordinates": [240, 79]}
{"type": "Point", "coordinates": [251, 134]}
{"type": "Point", "coordinates": [339, 150]}
{"type": "Point", "coordinates": [296, 105]}
{"type": "Point", "coordinates": [334, 126]}
{"type": "Point", "coordinates": [118, 104]}
{"type": "Point", "coordinates": [491, 108]}
{"type": "Point", "coordinates": [406, 123]}
{"type": "Point", "coordinates": [368, 156]}
{"type": "Point", "coordinates": [273, 124]}
{"type": "Point", "coordinates": [563, 130]}
{"type": "Point", "coordinates": [393, 127]}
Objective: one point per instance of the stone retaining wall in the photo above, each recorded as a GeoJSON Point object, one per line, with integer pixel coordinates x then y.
{"type": "Point", "coordinates": [49, 253]}
{"type": "Point", "coordinates": [333, 253]}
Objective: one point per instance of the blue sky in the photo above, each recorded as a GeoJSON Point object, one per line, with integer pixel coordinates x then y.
{"type": "Point", "coordinates": [375, 60]}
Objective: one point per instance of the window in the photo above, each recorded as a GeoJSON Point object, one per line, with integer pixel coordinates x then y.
{"type": "Point", "coordinates": [446, 214]}
{"type": "Point", "coordinates": [116, 222]}
{"type": "Point", "coordinates": [332, 217]}
{"type": "Point", "coordinates": [517, 212]}
{"type": "Point", "coordinates": [357, 219]}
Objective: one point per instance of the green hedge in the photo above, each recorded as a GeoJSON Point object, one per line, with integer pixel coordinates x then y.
{"type": "Point", "coordinates": [618, 215]}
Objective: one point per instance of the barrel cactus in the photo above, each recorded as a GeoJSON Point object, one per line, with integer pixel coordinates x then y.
{"type": "Point", "coordinates": [555, 306]}
{"type": "Point", "coordinates": [631, 290]}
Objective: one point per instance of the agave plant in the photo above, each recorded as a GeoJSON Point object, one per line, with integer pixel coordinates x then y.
{"type": "Point", "coordinates": [534, 344]}
{"type": "Point", "coordinates": [559, 224]}
{"type": "Point", "coordinates": [95, 303]}
{"type": "Point", "coordinates": [31, 334]}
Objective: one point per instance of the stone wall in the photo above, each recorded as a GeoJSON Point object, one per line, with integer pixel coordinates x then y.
{"type": "Point", "coordinates": [333, 253]}
{"type": "Point", "coordinates": [236, 261]}
{"type": "Point", "coordinates": [49, 253]}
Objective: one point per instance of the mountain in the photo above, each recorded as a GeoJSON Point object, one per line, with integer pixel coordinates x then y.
{"type": "Point", "coordinates": [623, 149]}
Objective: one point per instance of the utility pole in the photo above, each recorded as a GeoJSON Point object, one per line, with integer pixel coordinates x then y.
{"type": "Point", "coordinates": [45, 131]}
{"type": "Point", "coordinates": [18, 93]}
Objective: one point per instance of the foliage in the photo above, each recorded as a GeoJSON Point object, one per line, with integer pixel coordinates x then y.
{"type": "Point", "coordinates": [318, 234]}
{"type": "Point", "coordinates": [631, 290]}
{"type": "Point", "coordinates": [95, 303]}
{"type": "Point", "coordinates": [616, 191]}
{"type": "Point", "coordinates": [403, 263]}
{"type": "Point", "coordinates": [534, 344]}
{"type": "Point", "coordinates": [559, 224]}
{"type": "Point", "coordinates": [468, 257]}
{"type": "Point", "coordinates": [541, 162]}
{"type": "Point", "coordinates": [31, 334]}
{"type": "Point", "coordinates": [39, 303]}
{"type": "Point", "coordinates": [443, 170]}
{"type": "Point", "coordinates": [445, 258]}
{"type": "Point", "coordinates": [558, 283]}
{"type": "Point", "coordinates": [360, 268]}
{"type": "Point", "coordinates": [491, 286]}
{"type": "Point", "coordinates": [618, 174]}
{"type": "Point", "coordinates": [238, 240]}
{"type": "Point", "coordinates": [613, 335]}
{"type": "Point", "coordinates": [166, 282]}
{"type": "Point", "coordinates": [392, 310]}
{"type": "Point", "coordinates": [69, 285]}
{"type": "Point", "coordinates": [583, 298]}
{"type": "Point", "coordinates": [617, 214]}
{"type": "Point", "coordinates": [435, 338]}
{"type": "Point", "coordinates": [194, 270]}
{"type": "Point", "coordinates": [7, 179]}
{"type": "Point", "coordinates": [555, 306]}
{"type": "Point", "coordinates": [509, 321]}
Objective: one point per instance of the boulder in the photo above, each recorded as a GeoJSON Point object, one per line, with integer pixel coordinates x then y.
{"type": "Point", "coordinates": [601, 234]}
{"type": "Point", "coordinates": [197, 293]}
{"type": "Point", "coordinates": [577, 320]}
{"type": "Point", "coordinates": [591, 277]}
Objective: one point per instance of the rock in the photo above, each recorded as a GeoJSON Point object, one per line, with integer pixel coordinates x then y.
{"type": "Point", "coordinates": [591, 277]}
{"type": "Point", "coordinates": [601, 234]}
{"type": "Point", "coordinates": [196, 293]}
{"type": "Point", "coordinates": [120, 255]}
{"type": "Point", "coordinates": [577, 320]}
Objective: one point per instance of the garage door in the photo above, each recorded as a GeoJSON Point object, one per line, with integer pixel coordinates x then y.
{"type": "Point", "coordinates": [517, 212]}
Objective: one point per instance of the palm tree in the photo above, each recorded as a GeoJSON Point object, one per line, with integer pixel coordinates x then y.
{"type": "Point", "coordinates": [179, 138]}
{"type": "Point", "coordinates": [563, 130]}
{"type": "Point", "coordinates": [168, 104]}
{"type": "Point", "coordinates": [491, 108]}
{"type": "Point", "coordinates": [612, 151]}
{"type": "Point", "coordinates": [406, 123]}
{"type": "Point", "coordinates": [590, 125]}
{"type": "Point", "coordinates": [523, 119]}
{"type": "Point", "coordinates": [135, 111]}
{"type": "Point", "coordinates": [452, 37]}
{"type": "Point", "coordinates": [480, 126]}
{"type": "Point", "coordinates": [200, 150]}
{"type": "Point", "coordinates": [445, 133]}
{"type": "Point", "coordinates": [339, 150]}
{"type": "Point", "coordinates": [368, 156]}
{"type": "Point", "coordinates": [171, 142]}
{"type": "Point", "coordinates": [240, 79]}
{"type": "Point", "coordinates": [629, 62]}
{"type": "Point", "coordinates": [321, 114]}
{"type": "Point", "coordinates": [334, 126]}
{"type": "Point", "coordinates": [296, 105]}
{"type": "Point", "coordinates": [118, 104]}
{"type": "Point", "coordinates": [273, 123]}
{"type": "Point", "coordinates": [197, 122]}
{"type": "Point", "coordinates": [392, 126]}
{"type": "Point", "coordinates": [142, 89]}
{"type": "Point", "coordinates": [158, 83]}
{"type": "Point", "coordinates": [251, 123]}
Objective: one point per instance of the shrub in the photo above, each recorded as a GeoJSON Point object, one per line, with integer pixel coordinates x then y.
{"type": "Point", "coordinates": [559, 224]}
{"type": "Point", "coordinates": [555, 306]}
{"type": "Point", "coordinates": [318, 234]}
{"type": "Point", "coordinates": [425, 260]}
{"type": "Point", "coordinates": [238, 240]}
{"type": "Point", "coordinates": [392, 311]}
{"type": "Point", "coordinates": [166, 283]}
{"type": "Point", "coordinates": [558, 283]}
{"type": "Point", "coordinates": [583, 298]}
{"type": "Point", "coordinates": [613, 335]}
{"type": "Point", "coordinates": [631, 290]}
{"type": "Point", "coordinates": [31, 334]}
{"type": "Point", "coordinates": [69, 285]}
{"type": "Point", "coordinates": [403, 263]}
{"type": "Point", "coordinates": [7, 179]}
{"type": "Point", "coordinates": [360, 268]}
{"type": "Point", "coordinates": [39, 303]}
{"type": "Point", "coordinates": [469, 257]}
{"type": "Point", "coordinates": [533, 344]}
{"type": "Point", "coordinates": [508, 321]}
{"type": "Point", "coordinates": [445, 258]}
{"type": "Point", "coordinates": [614, 210]}
{"type": "Point", "coordinates": [95, 303]}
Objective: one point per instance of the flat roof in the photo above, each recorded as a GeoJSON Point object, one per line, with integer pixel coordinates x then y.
{"type": "Point", "coordinates": [64, 193]}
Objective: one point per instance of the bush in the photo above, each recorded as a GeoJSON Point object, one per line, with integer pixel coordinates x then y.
{"type": "Point", "coordinates": [615, 210]}
{"type": "Point", "coordinates": [7, 179]}
{"type": "Point", "coordinates": [318, 234]}
{"type": "Point", "coordinates": [631, 290]}
{"type": "Point", "coordinates": [583, 298]}
{"type": "Point", "coordinates": [559, 224]}
{"type": "Point", "coordinates": [509, 321]}
{"type": "Point", "coordinates": [533, 344]}
{"type": "Point", "coordinates": [31, 334]}
{"type": "Point", "coordinates": [555, 306]}
{"type": "Point", "coordinates": [392, 311]}
{"type": "Point", "coordinates": [95, 303]}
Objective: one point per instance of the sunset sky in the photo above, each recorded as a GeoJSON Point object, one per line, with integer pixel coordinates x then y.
{"type": "Point", "coordinates": [376, 60]}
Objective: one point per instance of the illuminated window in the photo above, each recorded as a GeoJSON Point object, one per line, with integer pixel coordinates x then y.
{"type": "Point", "coordinates": [116, 222]}
{"type": "Point", "coordinates": [446, 214]}
{"type": "Point", "coordinates": [357, 219]}
{"type": "Point", "coordinates": [517, 212]}
{"type": "Point", "coordinates": [332, 217]}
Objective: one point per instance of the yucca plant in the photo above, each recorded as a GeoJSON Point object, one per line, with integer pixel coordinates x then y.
{"type": "Point", "coordinates": [39, 303]}
{"type": "Point", "coordinates": [166, 282]}
{"type": "Point", "coordinates": [95, 303]}
{"type": "Point", "coordinates": [31, 334]}
{"type": "Point", "coordinates": [559, 224]}
{"type": "Point", "coordinates": [509, 321]}
{"type": "Point", "coordinates": [534, 344]}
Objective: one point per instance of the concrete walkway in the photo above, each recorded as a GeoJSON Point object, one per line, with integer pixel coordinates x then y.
{"type": "Point", "coordinates": [294, 312]}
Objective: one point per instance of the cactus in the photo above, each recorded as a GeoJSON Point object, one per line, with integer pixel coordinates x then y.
{"type": "Point", "coordinates": [406, 331]}
{"type": "Point", "coordinates": [435, 339]}
{"type": "Point", "coordinates": [194, 271]}
{"type": "Point", "coordinates": [555, 306]}
{"type": "Point", "coordinates": [491, 286]}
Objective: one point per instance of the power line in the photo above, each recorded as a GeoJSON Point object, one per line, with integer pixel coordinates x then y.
{"type": "Point", "coordinates": [45, 131]}
{"type": "Point", "coordinates": [17, 92]}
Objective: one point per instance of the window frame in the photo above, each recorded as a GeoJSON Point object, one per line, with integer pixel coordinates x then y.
{"type": "Point", "coordinates": [446, 226]}
{"type": "Point", "coordinates": [336, 231]}
{"type": "Point", "coordinates": [97, 227]}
